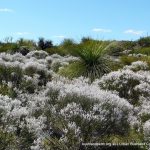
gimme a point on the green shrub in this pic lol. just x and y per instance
(144, 117)
(30, 71)
(144, 41)
(27, 43)
(68, 46)
(25, 138)
(56, 50)
(25, 46)
(7, 140)
(127, 60)
(73, 70)
(114, 48)
(144, 50)
(43, 77)
(28, 86)
(114, 66)
(55, 66)
(9, 47)
(5, 90)
(128, 45)
(13, 74)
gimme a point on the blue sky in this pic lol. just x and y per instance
(58, 19)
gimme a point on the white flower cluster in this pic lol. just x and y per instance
(140, 65)
(131, 83)
(137, 55)
(71, 109)
(100, 101)
(57, 60)
(36, 125)
(146, 128)
(39, 54)
(79, 88)
(38, 60)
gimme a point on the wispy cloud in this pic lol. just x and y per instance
(6, 10)
(135, 32)
(23, 33)
(59, 36)
(101, 30)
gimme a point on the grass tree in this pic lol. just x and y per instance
(93, 63)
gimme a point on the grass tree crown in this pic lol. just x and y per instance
(94, 59)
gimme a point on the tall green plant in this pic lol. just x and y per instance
(93, 61)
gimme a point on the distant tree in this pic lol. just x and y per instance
(86, 39)
(48, 44)
(43, 44)
(67, 42)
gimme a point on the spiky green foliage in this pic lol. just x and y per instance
(94, 61)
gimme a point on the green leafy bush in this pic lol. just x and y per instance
(117, 48)
(28, 43)
(144, 50)
(5, 90)
(7, 140)
(68, 46)
(73, 70)
(127, 60)
(9, 47)
(13, 74)
(114, 48)
(56, 50)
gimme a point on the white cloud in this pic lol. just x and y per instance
(135, 32)
(101, 30)
(6, 10)
(23, 33)
(59, 36)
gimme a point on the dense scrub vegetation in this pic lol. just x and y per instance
(55, 97)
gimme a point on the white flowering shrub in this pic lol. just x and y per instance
(58, 62)
(146, 128)
(40, 110)
(137, 55)
(40, 54)
(82, 103)
(137, 65)
(128, 83)
(132, 83)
